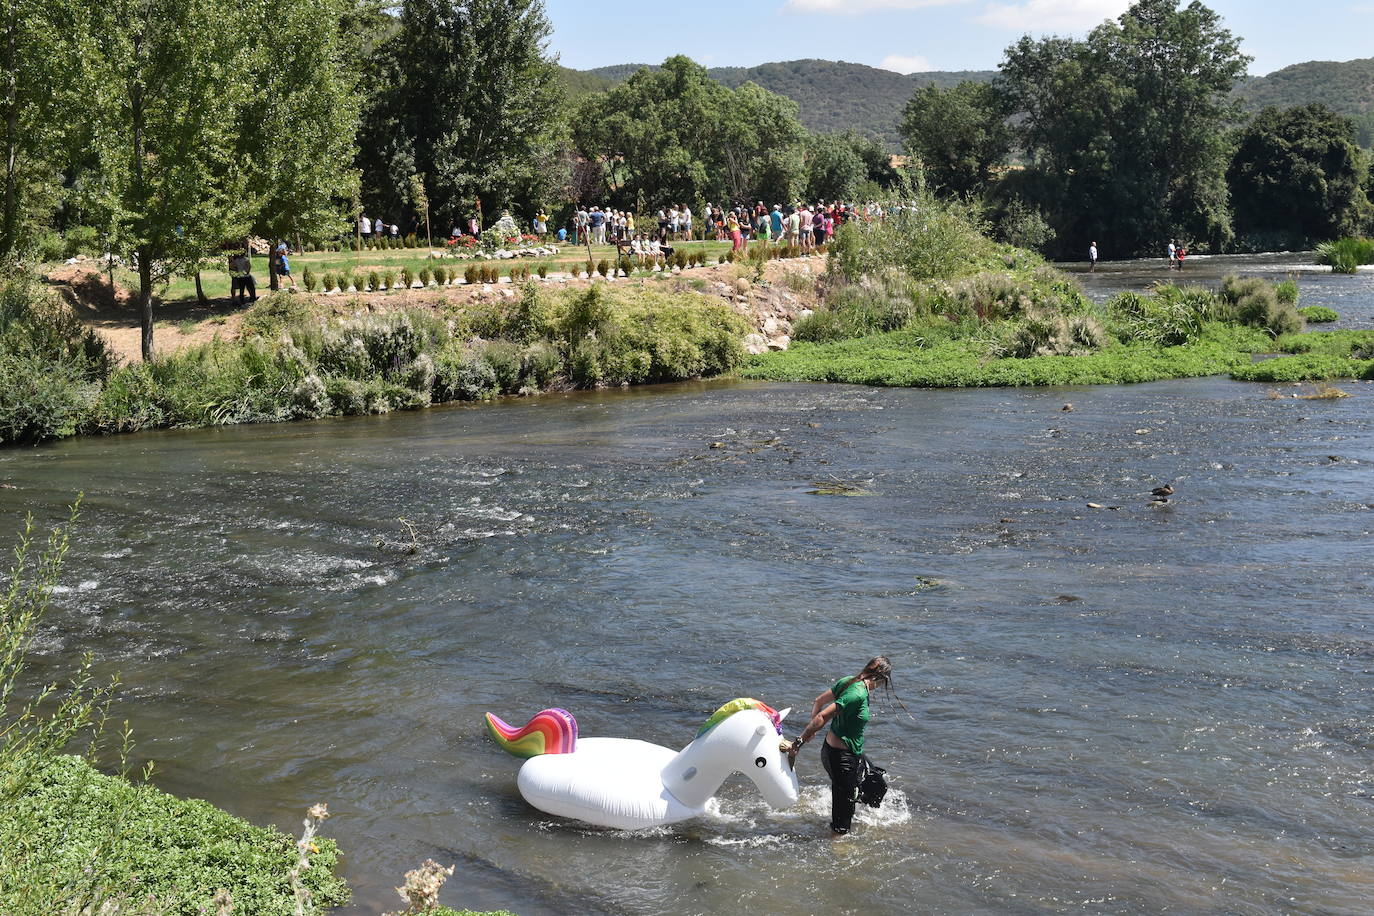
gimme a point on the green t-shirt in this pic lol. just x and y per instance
(851, 713)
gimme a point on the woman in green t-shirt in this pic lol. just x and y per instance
(845, 707)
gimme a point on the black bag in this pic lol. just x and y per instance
(872, 782)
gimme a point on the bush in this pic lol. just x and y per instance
(1318, 314)
(504, 357)
(374, 281)
(1255, 302)
(460, 375)
(81, 240)
(575, 270)
(389, 278)
(589, 269)
(1287, 291)
(626, 265)
(543, 271)
(274, 313)
(471, 274)
(407, 277)
(309, 280)
(425, 276)
(1346, 255)
(603, 267)
(358, 282)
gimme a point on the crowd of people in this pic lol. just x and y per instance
(804, 225)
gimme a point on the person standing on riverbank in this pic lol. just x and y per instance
(1173, 254)
(844, 707)
(1092, 257)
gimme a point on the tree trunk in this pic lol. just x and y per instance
(200, 293)
(10, 216)
(145, 302)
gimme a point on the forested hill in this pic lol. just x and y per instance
(1346, 87)
(835, 96)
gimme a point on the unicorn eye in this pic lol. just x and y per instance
(761, 762)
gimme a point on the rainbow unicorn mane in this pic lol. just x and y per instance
(553, 731)
(740, 705)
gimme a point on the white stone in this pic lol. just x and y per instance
(755, 344)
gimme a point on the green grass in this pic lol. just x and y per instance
(1346, 255)
(911, 359)
(1318, 314)
(142, 840)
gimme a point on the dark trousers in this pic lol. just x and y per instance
(843, 769)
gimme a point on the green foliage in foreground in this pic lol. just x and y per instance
(148, 844)
(1318, 314)
(293, 364)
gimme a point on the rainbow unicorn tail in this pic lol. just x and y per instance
(553, 731)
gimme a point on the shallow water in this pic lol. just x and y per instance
(1125, 710)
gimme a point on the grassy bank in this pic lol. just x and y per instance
(292, 362)
(931, 302)
(74, 832)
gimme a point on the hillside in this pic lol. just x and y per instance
(834, 95)
(1346, 87)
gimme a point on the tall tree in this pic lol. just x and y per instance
(674, 135)
(41, 43)
(1297, 177)
(1126, 129)
(958, 134)
(471, 105)
(297, 133)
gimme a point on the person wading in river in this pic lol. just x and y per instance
(845, 708)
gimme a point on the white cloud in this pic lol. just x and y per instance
(899, 63)
(854, 7)
(1051, 15)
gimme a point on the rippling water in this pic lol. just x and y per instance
(1121, 710)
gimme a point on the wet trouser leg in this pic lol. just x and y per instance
(843, 769)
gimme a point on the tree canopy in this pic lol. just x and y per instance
(1297, 177)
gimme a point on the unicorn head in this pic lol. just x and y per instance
(743, 736)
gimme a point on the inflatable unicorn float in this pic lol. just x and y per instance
(632, 784)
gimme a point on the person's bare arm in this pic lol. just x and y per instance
(823, 710)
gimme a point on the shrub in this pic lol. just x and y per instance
(1287, 291)
(425, 276)
(1318, 314)
(589, 269)
(491, 274)
(543, 271)
(541, 365)
(1255, 302)
(389, 278)
(374, 281)
(407, 278)
(358, 282)
(603, 267)
(81, 240)
(471, 274)
(309, 280)
(505, 360)
(626, 265)
(460, 375)
(724, 258)
(575, 270)
(1346, 255)
(274, 313)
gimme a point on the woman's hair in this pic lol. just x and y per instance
(879, 669)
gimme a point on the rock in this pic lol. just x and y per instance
(781, 342)
(742, 286)
(773, 327)
(755, 344)
(1142, 432)
(1005, 521)
(717, 445)
(806, 313)
(1096, 506)
(1067, 408)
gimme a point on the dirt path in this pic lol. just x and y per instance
(771, 307)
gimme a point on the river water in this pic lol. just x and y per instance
(1130, 709)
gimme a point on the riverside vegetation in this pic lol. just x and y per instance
(929, 300)
(291, 362)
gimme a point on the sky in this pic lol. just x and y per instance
(913, 35)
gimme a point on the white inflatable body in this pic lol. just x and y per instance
(632, 785)
(614, 782)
